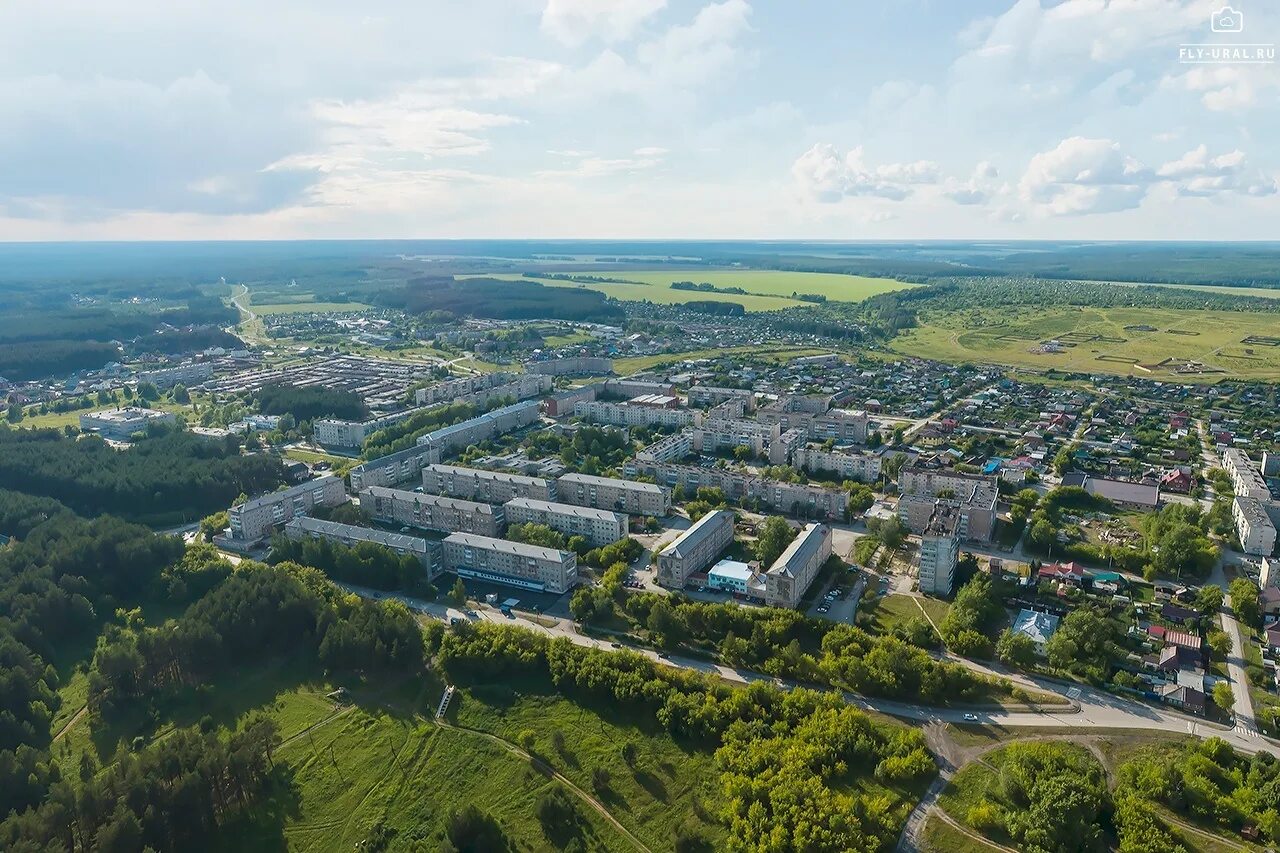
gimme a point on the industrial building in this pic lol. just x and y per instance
(625, 496)
(514, 563)
(695, 549)
(599, 526)
(121, 424)
(475, 484)
(431, 512)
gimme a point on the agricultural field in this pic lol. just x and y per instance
(777, 355)
(767, 290)
(1197, 346)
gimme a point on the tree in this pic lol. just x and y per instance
(212, 525)
(458, 595)
(1223, 696)
(743, 453)
(1016, 649)
(1082, 643)
(774, 536)
(665, 625)
(474, 831)
(1209, 599)
(1219, 644)
(892, 533)
(1246, 602)
(180, 394)
(14, 414)
(148, 391)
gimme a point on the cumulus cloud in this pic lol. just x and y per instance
(823, 174)
(1225, 88)
(978, 189)
(1196, 173)
(589, 166)
(575, 21)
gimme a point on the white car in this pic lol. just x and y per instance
(971, 718)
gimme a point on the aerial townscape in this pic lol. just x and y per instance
(866, 439)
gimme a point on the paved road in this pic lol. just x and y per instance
(1091, 710)
(1242, 704)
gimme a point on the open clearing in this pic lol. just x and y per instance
(1102, 340)
(767, 290)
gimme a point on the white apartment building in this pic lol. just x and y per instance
(189, 374)
(335, 432)
(477, 429)
(598, 526)
(695, 549)
(863, 467)
(252, 520)
(717, 434)
(670, 449)
(400, 467)
(432, 512)
(711, 395)
(625, 496)
(974, 495)
(1254, 527)
(513, 563)
(481, 388)
(940, 551)
(1246, 478)
(795, 569)
(625, 414)
(788, 445)
(425, 551)
(475, 484)
(789, 498)
(837, 424)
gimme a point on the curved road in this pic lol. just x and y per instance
(1090, 710)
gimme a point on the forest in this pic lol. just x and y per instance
(503, 300)
(306, 403)
(172, 477)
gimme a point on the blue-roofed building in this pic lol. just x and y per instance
(1037, 626)
(993, 465)
(736, 577)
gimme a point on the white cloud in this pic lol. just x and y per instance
(1226, 88)
(978, 189)
(1198, 174)
(1083, 176)
(824, 175)
(598, 167)
(575, 21)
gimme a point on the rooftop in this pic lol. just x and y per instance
(506, 546)
(613, 482)
(565, 509)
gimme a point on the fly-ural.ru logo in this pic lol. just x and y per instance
(1227, 23)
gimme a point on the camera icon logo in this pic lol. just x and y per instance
(1227, 20)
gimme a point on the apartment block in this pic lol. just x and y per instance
(863, 467)
(481, 388)
(625, 496)
(670, 449)
(192, 373)
(432, 512)
(795, 569)
(425, 551)
(837, 424)
(1247, 479)
(973, 495)
(711, 395)
(597, 526)
(513, 563)
(788, 445)
(502, 420)
(638, 388)
(474, 484)
(403, 466)
(695, 549)
(121, 424)
(252, 520)
(626, 414)
(580, 366)
(1270, 463)
(940, 550)
(335, 432)
(788, 498)
(717, 434)
(1254, 527)
(561, 403)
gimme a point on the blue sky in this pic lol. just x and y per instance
(634, 118)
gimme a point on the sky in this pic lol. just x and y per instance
(750, 119)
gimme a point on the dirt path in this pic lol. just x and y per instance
(553, 773)
(66, 727)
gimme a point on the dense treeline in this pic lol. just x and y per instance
(20, 513)
(53, 586)
(307, 403)
(955, 295)
(715, 307)
(403, 435)
(788, 761)
(176, 341)
(169, 796)
(37, 359)
(504, 300)
(365, 563)
(788, 644)
(286, 608)
(173, 476)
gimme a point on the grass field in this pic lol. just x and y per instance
(767, 290)
(1008, 336)
(779, 354)
(942, 837)
(1264, 292)
(304, 307)
(61, 419)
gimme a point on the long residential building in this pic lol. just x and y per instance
(795, 569)
(863, 467)
(252, 520)
(625, 496)
(1245, 476)
(711, 395)
(335, 432)
(482, 388)
(475, 484)
(598, 526)
(837, 424)
(403, 466)
(695, 549)
(477, 429)
(717, 434)
(517, 564)
(973, 495)
(670, 449)
(1254, 527)
(191, 373)
(432, 512)
(788, 498)
(577, 366)
(425, 551)
(626, 414)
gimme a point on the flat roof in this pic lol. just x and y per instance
(427, 498)
(506, 546)
(731, 569)
(482, 474)
(284, 494)
(566, 509)
(592, 480)
(368, 534)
